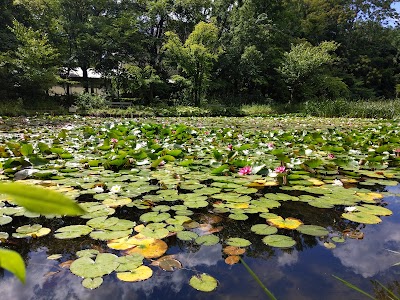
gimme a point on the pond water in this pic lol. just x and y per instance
(217, 202)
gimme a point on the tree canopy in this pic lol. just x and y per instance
(225, 50)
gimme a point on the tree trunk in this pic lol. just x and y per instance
(85, 79)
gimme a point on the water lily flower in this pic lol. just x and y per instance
(308, 152)
(246, 152)
(245, 170)
(397, 152)
(114, 141)
(270, 146)
(272, 174)
(331, 156)
(280, 169)
(350, 208)
(162, 163)
(115, 189)
(337, 182)
(98, 189)
(230, 147)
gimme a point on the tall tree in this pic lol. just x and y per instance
(195, 57)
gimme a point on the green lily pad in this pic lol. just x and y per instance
(238, 216)
(92, 284)
(374, 210)
(338, 239)
(106, 235)
(4, 235)
(104, 264)
(187, 235)
(87, 253)
(279, 241)
(238, 242)
(264, 229)
(207, 240)
(129, 262)
(34, 231)
(5, 220)
(72, 231)
(361, 217)
(203, 283)
(313, 230)
(154, 217)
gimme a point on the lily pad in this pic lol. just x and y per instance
(374, 210)
(233, 250)
(139, 274)
(263, 229)
(361, 217)
(279, 241)
(288, 223)
(313, 230)
(5, 220)
(203, 282)
(148, 247)
(72, 231)
(187, 235)
(92, 284)
(85, 267)
(106, 235)
(207, 240)
(238, 242)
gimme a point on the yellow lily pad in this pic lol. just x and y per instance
(149, 248)
(369, 197)
(288, 223)
(139, 274)
(262, 183)
(315, 181)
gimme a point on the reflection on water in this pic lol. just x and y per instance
(301, 273)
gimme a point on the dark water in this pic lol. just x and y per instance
(304, 272)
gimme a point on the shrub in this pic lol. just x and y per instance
(88, 101)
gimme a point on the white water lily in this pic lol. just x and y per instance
(115, 189)
(337, 182)
(308, 152)
(98, 189)
(272, 173)
(350, 208)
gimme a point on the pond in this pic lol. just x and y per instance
(177, 208)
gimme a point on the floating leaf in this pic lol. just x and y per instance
(203, 282)
(232, 259)
(87, 253)
(238, 217)
(149, 248)
(313, 230)
(5, 220)
(338, 239)
(85, 267)
(139, 274)
(41, 200)
(187, 235)
(72, 231)
(288, 223)
(54, 256)
(92, 284)
(238, 242)
(105, 235)
(329, 245)
(129, 262)
(167, 263)
(360, 217)
(207, 240)
(374, 210)
(279, 241)
(233, 250)
(263, 229)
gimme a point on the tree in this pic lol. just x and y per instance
(32, 67)
(302, 68)
(195, 58)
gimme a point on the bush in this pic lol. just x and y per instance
(88, 101)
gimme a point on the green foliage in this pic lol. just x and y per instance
(86, 101)
(195, 57)
(302, 68)
(33, 66)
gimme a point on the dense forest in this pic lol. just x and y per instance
(244, 51)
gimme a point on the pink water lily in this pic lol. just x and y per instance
(331, 156)
(280, 169)
(230, 147)
(245, 170)
(270, 145)
(113, 140)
